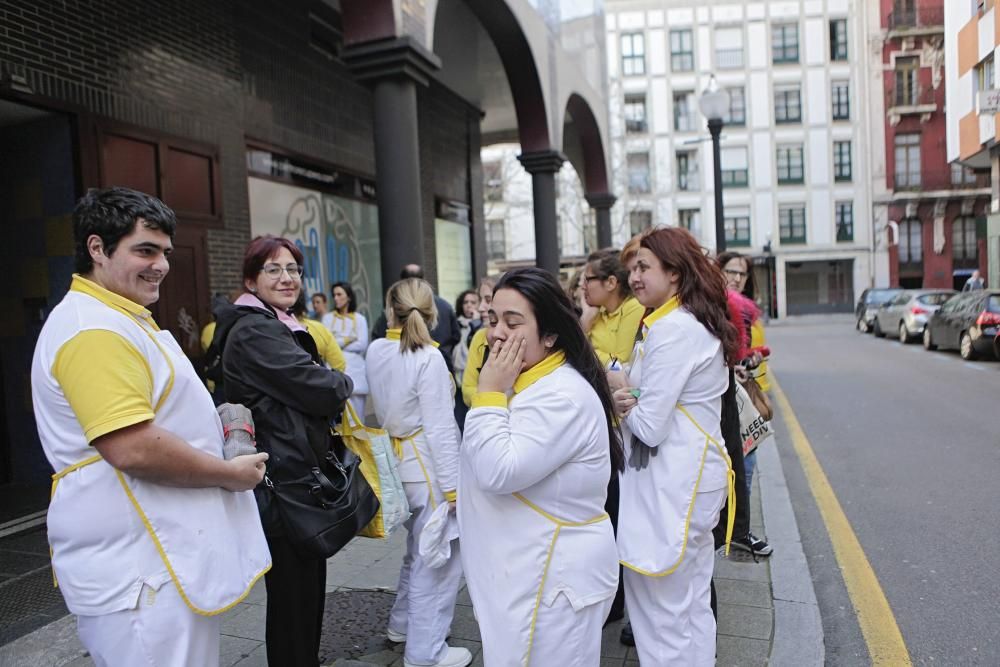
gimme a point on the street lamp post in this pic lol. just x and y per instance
(714, 103)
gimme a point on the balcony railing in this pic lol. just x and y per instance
(911, 96)
(916, 17)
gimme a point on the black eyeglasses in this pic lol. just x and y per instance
(587, 279)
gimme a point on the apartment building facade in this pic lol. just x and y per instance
(971, 41)
(795, 147)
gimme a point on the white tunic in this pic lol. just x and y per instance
(111, 533)
(681, 375)
(355, 326)
(413, 395)
(531, 511)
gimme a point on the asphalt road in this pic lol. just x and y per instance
(910, 441)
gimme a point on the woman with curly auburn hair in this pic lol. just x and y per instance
(678, 471)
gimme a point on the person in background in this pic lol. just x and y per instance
(574, 290)
(466, 306)
(153, 534)
(412, 395)
(270, 364)
(350, 329)
(678, 471)
(739, 278)
(611, 322)
(478, 345)
(446, 333)
(975, 282)
(319, 306)
(326, 345)
(540, 444)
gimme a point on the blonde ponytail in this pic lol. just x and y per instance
(410, 307)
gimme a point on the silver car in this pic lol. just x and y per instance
(907, 314)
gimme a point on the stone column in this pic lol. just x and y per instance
(602, 203)
(543, 166)
(394, 68)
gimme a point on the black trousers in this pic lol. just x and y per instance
(611, 507)
(296, 593)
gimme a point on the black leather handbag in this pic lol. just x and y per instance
(327, 506)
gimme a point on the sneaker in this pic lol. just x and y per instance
(395, 637)
(627, 637)
(753, 544)
(455, 656)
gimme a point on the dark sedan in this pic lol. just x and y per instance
(968, 322)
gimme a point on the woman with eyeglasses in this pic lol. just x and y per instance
(271, 365)
(739, 279)
(678, 471)
(350, 328)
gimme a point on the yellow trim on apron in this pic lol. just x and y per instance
(731, 499)
(560, 524)
(170, 568)
(397, 445)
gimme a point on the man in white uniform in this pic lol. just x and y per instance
(152, 532)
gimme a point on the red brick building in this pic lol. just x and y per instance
(936, 211)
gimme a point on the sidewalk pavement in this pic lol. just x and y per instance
(767, 610)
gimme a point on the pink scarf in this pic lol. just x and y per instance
(254, 301)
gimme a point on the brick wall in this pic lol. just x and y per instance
(221, 72)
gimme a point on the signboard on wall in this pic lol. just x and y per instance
(989, 101)
(338, 235)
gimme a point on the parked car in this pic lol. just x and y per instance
(868, 304)
(969, 322)
(906, 315)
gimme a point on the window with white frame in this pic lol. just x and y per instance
(784, 43)
(638, 172)
(838, 39)
(635, 113)
(736, 222)
(792, 223)
(985, 76)
(687, 170)
(840, 96)
(737, 113)
(964, 249)
(962, 175)
(496, 239)
(907, 154)
(907, 89)
(639, 221)
(844, 217)
(735, 170)
(790, 163)
(684, 119)
(787, 104)
(689, 219)
(729, 48)
(633, 54)
(842, 161)
(681, 50)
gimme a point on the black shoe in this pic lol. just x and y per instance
(753, 544)
(627, 637)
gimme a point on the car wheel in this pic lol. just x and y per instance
(928, 343)
(965, 347)
(904, 335)
(877, 329)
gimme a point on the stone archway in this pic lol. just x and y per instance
(591, 162)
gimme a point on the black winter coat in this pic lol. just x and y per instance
(293, 397)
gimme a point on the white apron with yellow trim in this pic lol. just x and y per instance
(524, 548)
(110, 533)
(680, 399)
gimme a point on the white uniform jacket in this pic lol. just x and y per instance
(110, 533)
(414, 401)
(531, 507)
(355, 326)
(681, 375)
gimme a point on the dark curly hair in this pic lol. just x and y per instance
(112, 214)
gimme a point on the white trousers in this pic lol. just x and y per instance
(567, 637)
(425, 597)
(161, 631)
(671, 616)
